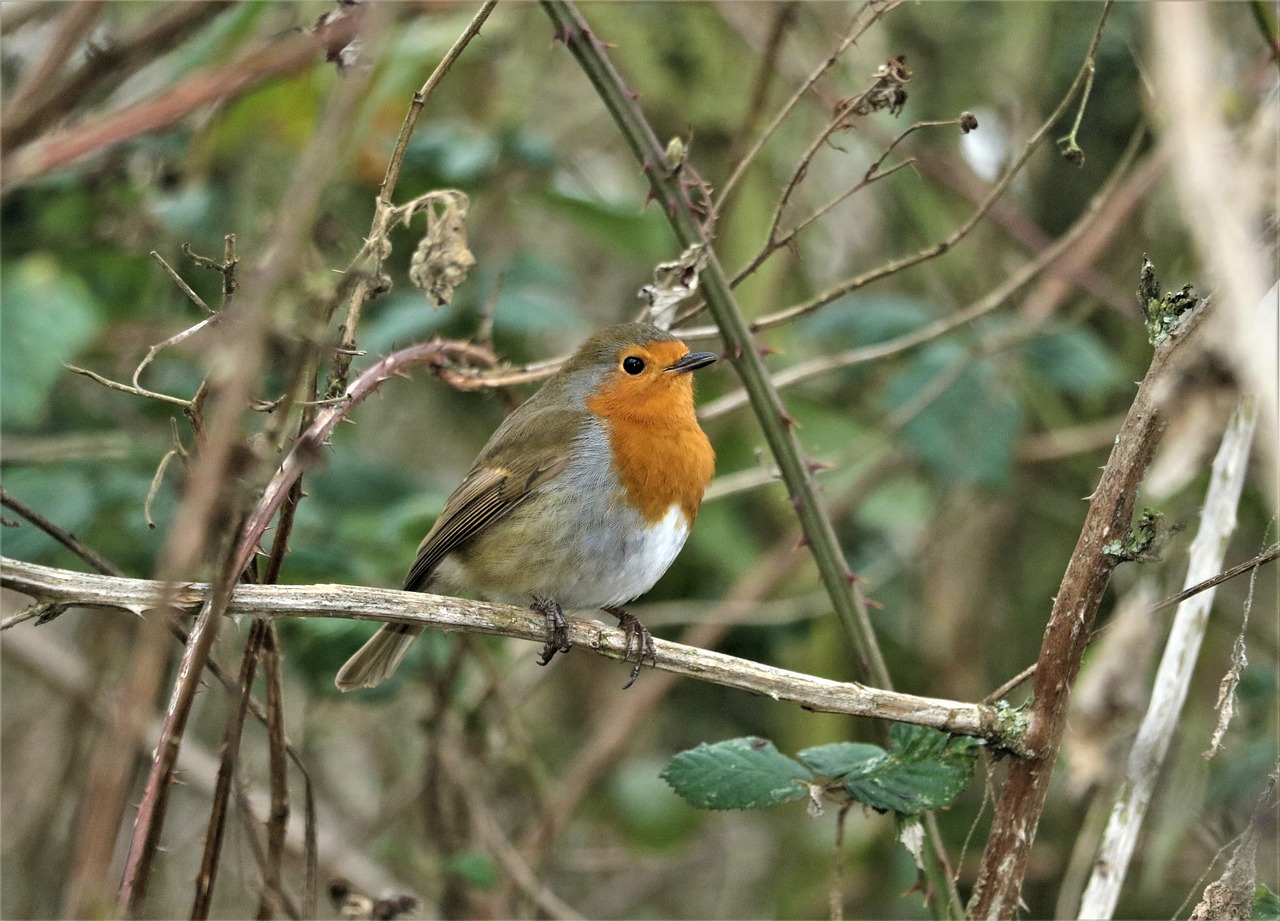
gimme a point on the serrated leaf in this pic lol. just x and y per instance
(924, 770)
(746, 773)
(841, 758)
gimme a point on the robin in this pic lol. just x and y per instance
(582, 498)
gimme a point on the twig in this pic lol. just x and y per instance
(856, 32)
(838, 120)
(164, 108)
(997, 890)
(181, 282)
(126, 388)
(1173, 678)
(1070, 143)
(1266, 556)
(112, 62)
(230, 752)
(993, 300)
(388, 606)
(383, 217)
(904, 262)
(62, 536)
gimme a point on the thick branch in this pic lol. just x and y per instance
(388, 606)
(1004, 862)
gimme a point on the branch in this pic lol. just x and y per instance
(991, 301)
(930, 252)
(1173, 678)
(856, 31)
(168, 106)
(63, 586)
(108, 65)
(1004, 862)
(64, 537)
(776, 425)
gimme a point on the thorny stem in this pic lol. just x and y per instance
(776, 424)
(997, 890)
(774, 421)
(306, 448)
(348, 602)
(364, 287)
(226, 772)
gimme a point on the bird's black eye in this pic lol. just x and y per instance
(632, 365)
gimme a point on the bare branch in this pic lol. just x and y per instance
(997, 890)
(388, 606)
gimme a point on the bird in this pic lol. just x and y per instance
(581, 499)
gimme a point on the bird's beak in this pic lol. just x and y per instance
(692, 362)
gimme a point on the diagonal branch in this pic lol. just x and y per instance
(776, 424)
(1004, 862)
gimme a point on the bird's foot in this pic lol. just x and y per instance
(557, 629)
(639, 642)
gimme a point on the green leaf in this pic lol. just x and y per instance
(477, 869)
(48, 318)
(924, 769)
(968, 432)
(744, 773)
(1266, 905)
(623, 227)
(1074, 361)
(841, 758)
(865, 320)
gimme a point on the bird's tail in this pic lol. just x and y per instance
(374, 662)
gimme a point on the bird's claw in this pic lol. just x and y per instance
(639, 642)
(557, 629)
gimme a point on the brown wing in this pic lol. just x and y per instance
(490, 491)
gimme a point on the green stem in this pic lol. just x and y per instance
(777, 426)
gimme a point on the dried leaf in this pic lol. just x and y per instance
(442, 260)
(673, 283)
(1226, 705)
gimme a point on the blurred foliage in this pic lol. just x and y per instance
(958, 527)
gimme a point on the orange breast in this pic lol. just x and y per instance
(660, 453)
